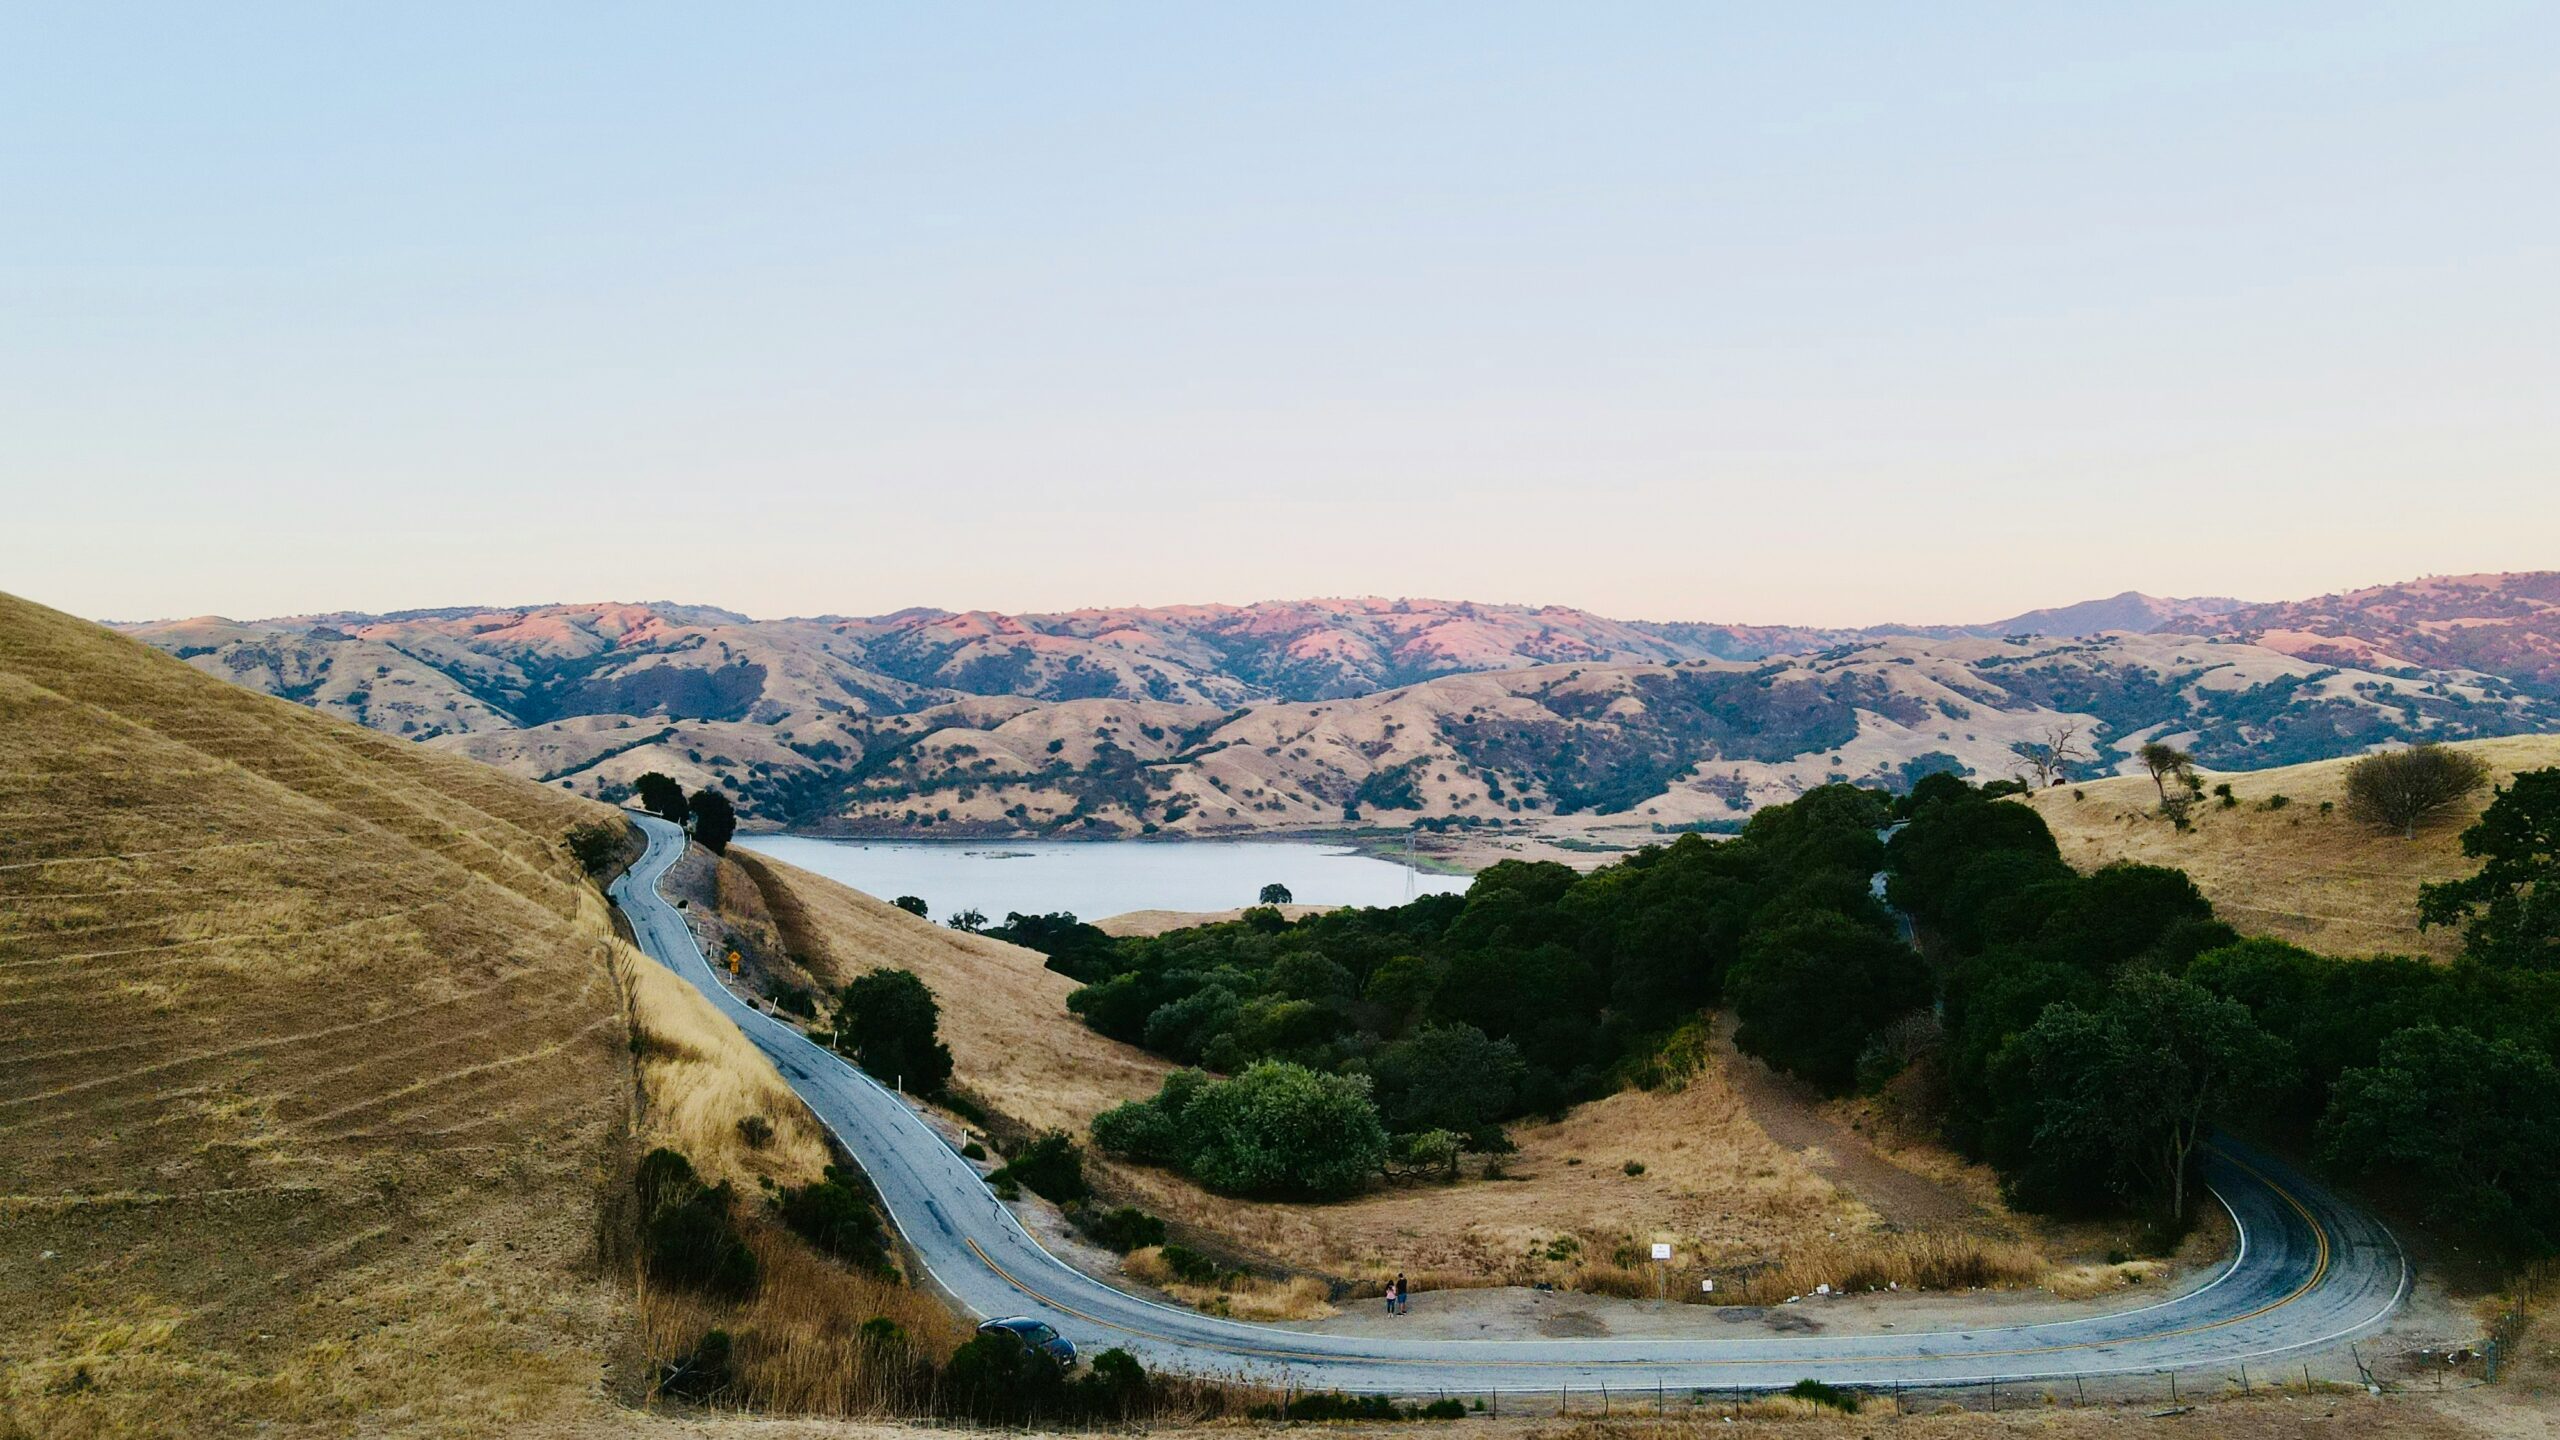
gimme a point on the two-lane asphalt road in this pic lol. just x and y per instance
(2311, 1270)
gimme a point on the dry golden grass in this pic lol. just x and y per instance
(1157, 922)
(1013, 1044)
(1245, 1297)
(701, 1079)
(311, 1064)
(2322, 881)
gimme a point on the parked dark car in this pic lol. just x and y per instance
(1035, 1336)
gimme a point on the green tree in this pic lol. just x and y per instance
(1812, 987)
(1273, 894)
(1278, 1130)
(913, 905)
(660, 796)
(2163, 761)
(2402, 789)
(887, 1020)
(714, 820)
(1447, 1077)
(971, 921)
(2470, 1127)
(2510, 910)
(2120, 1097)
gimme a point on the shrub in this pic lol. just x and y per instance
(701, 1374)
(755, 1130)
(833, 1216)
(997, 1380)
(972, 1150)
(1049, 1166)
(1816, 1392)
(1432, 1154)
(2401, 789)
(1189, 1264)
(688, 1234)
(1123, 1229)
(595, 846)
(792, 1000)
(1632, 1168)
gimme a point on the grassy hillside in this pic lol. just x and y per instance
(311, 1062)
(2319, 880)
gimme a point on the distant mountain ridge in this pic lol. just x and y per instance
(837, 720)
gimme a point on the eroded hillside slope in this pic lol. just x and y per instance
(311, 1063)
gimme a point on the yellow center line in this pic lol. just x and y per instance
(2319, 1271)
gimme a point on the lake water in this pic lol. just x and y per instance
(1096, 878)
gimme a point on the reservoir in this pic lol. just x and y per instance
(1098, 878)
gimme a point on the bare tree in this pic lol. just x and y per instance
(2055, 749)
(2163, 761)
(2400, 789)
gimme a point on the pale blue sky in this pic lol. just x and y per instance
(1754, 312)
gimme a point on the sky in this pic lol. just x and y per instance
(1821, 314)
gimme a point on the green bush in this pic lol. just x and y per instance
(832, 1215)
(689, 1237)
(1277, 1129)
(1820, 1394)
(1050, 1166)
(996, 1380)
(1189, 1264)
(1123, 1229)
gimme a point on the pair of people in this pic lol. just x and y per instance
(1399, 1298)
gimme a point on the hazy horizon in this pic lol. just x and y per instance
(1668, 312)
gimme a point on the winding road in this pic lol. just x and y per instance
(2310, 1271)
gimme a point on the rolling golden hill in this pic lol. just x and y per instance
(2291, 870)
(315, 1068)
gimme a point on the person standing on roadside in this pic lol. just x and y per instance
(1391, 1297)
(1403, 1295)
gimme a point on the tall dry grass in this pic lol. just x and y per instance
(701, 1078)
(1237, 1296)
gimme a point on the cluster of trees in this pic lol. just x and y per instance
(1538, 988)
(706, 812)
(2095, 1026)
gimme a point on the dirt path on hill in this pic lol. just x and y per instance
(1790, 1111)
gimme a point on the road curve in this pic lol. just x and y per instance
(2311, 1270)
